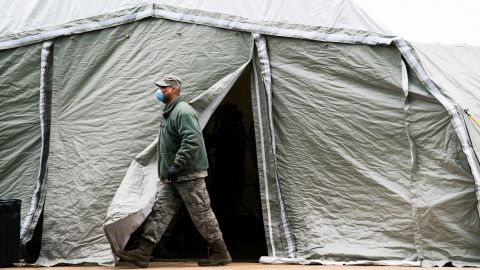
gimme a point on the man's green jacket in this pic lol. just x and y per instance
(180, 140)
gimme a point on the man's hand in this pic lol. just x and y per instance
(172, 173)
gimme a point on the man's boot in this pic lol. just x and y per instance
(140, 256)
(218, 255)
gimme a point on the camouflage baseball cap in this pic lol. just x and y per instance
(169, 80)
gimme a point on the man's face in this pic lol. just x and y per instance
(168, 93)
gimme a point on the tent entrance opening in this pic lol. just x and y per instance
(232, 183)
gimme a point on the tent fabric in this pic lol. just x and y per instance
(36, 15)
(334, 117)
(20, 131)
(266, 75)
(193, 16)
(133, 200)
(280, 260)
(103, 113)
(332, 120)
(452, 104)
(456, 70)
(339, 119)
(274, 224)
(444, 208)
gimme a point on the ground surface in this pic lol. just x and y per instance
(233, 266)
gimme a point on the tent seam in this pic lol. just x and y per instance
(77, 29)
(414, 163)
(452, 108)
(157, 12)
(34, 205)
(267, 80)
(264, 164)
(271, 30)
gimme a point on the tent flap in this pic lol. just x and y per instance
(135, 196)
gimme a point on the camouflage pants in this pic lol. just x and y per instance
(169, 198)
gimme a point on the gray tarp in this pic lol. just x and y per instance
(444, 207)
(343, 153)
(104, 113)
(456, 69)
(20, 132)
(347, 146)
(272, 220)
(27, 15)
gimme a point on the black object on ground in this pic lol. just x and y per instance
(9, 232)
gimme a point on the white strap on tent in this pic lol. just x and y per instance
(404, 79)
(454, 112)
(267, 80)
(159, 11)
(264, 163)
(262, 28)
(77, 29)
(41, 174)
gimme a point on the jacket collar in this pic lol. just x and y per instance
(169, 108)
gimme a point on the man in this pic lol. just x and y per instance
(182, 168)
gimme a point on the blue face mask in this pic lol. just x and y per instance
(159, 95)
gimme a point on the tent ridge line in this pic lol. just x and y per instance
(266, 29)
(161, 11)
(455, 112)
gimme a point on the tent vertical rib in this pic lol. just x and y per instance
(452, 109)
(36, 196)
(264, 162)
(267, 80)
(414, 162)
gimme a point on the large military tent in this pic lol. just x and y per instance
(366, 143)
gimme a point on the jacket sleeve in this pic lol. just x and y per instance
(190, 135)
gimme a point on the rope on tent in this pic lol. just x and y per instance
(471, 118)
